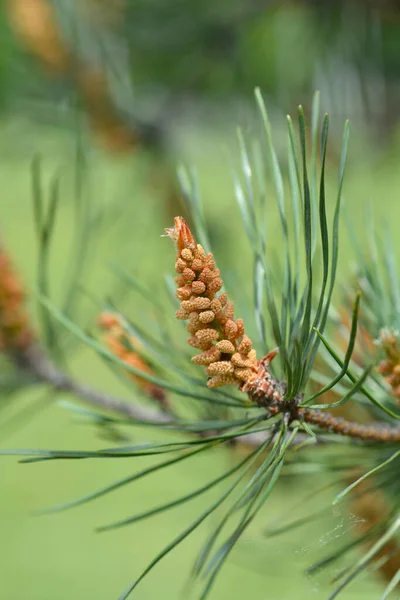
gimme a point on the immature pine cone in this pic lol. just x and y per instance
(125, 347)
(226, 351)
(15, 332)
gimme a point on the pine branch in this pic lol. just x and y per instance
(373, 432)
(227, 351)
(36, 25)
(33, 360)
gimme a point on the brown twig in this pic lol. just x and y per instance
(33, 360)
(373, 432)
(269, 393)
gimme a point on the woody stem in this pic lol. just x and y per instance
(375, 432)
(32, 359)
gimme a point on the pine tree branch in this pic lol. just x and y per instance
(373, 432)
(33, 360)
(269, 393)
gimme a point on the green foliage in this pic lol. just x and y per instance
(292, 309)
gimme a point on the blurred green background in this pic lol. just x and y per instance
(179, 79)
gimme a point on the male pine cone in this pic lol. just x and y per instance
(15, 331)
(226, 351)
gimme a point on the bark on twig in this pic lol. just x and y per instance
(34, 360)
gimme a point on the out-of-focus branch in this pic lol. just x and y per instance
(35, 23)
(18, 341)
(33, 360)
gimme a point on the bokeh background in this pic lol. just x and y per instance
(113, 96)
